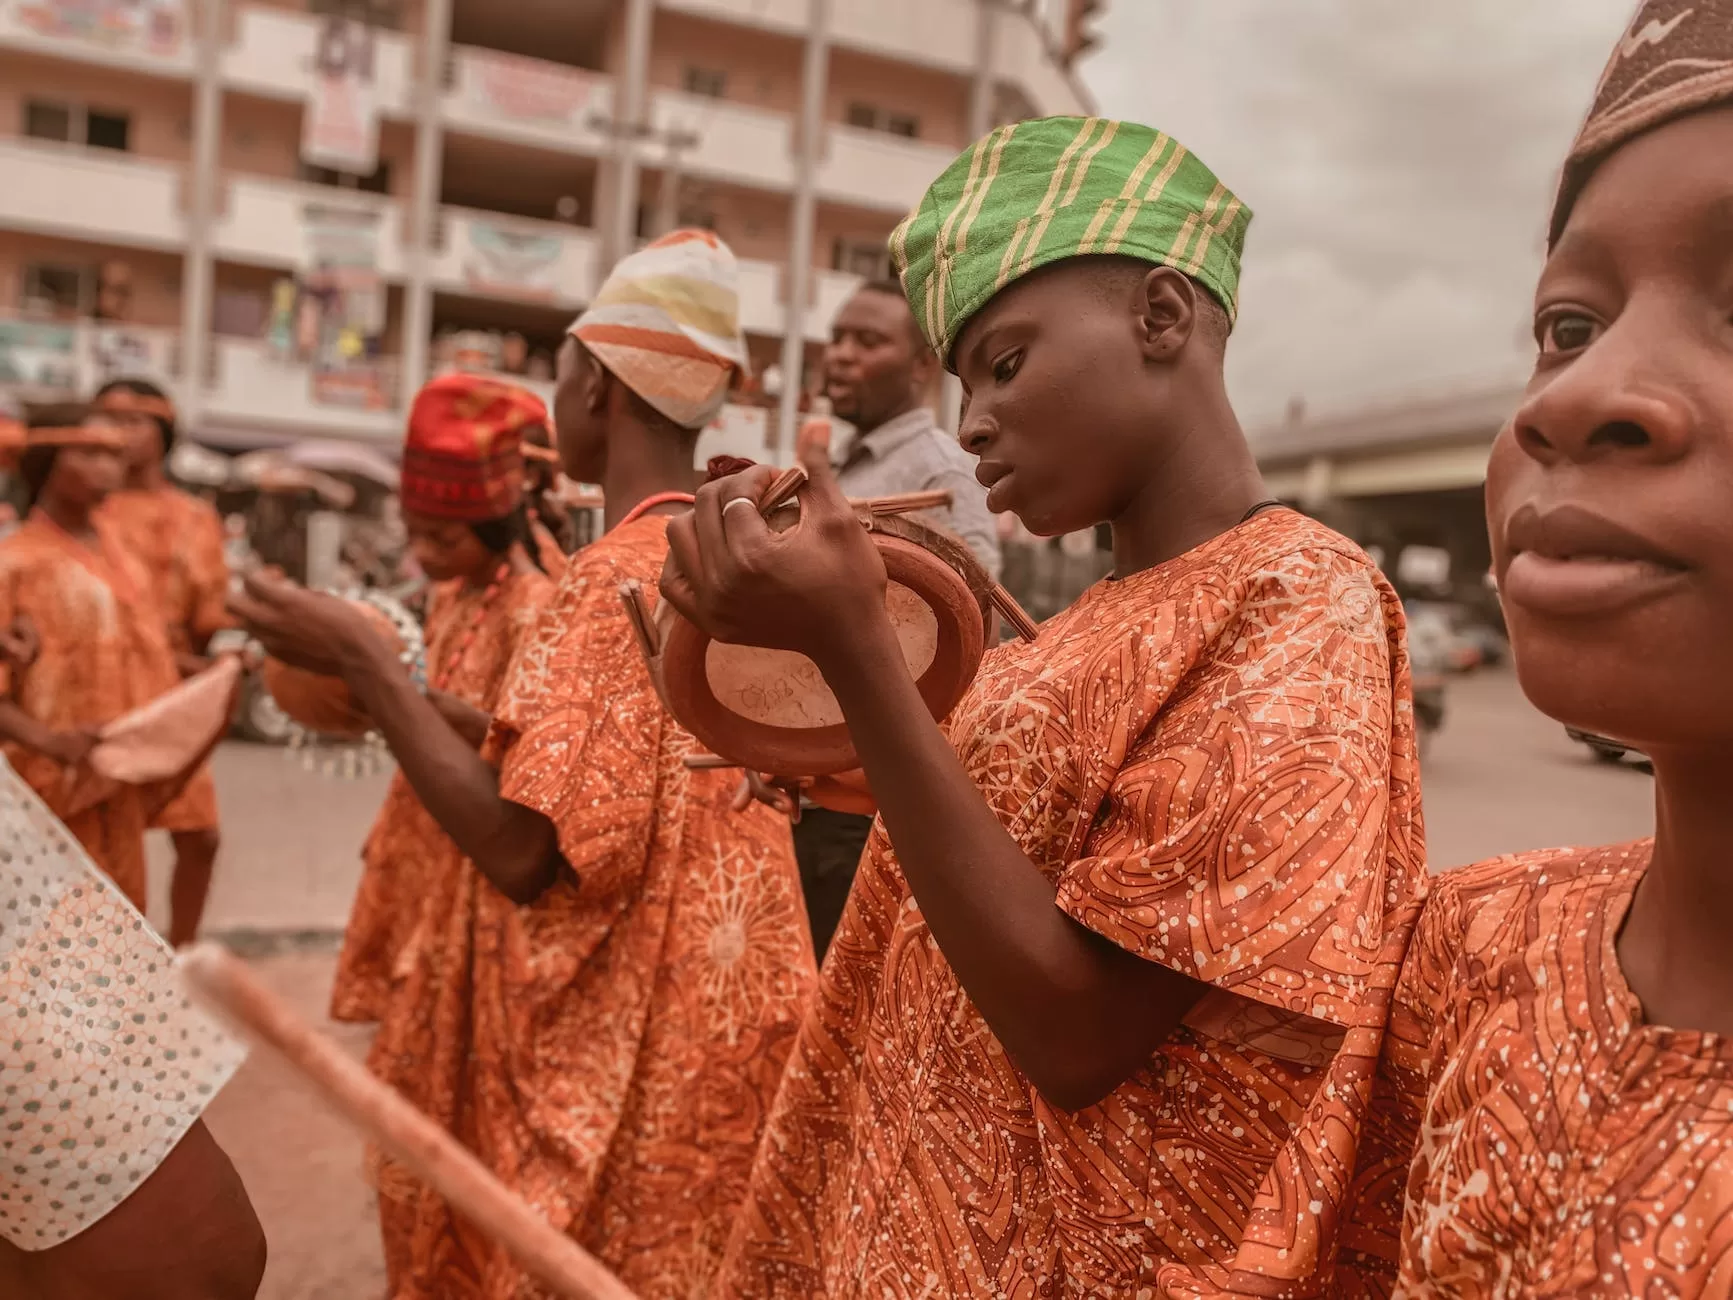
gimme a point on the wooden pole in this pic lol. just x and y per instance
(222, 982)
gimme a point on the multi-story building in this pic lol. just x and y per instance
(168, 202)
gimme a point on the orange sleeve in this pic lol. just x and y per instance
(578, 731)
(1372, 1232)
(1244, 842)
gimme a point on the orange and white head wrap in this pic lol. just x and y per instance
(667, 325)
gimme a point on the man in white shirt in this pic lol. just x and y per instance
(879, 375)
(110, 1184)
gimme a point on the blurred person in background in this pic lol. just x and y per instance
(99, 647)
(179, 539)
(879, 375)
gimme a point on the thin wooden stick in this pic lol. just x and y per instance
(642, 619)
(902, 503)
(222, 982)
(782, 489)
(709, 763)
(1013, 613)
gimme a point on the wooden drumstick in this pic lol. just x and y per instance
(222, 982)
(782, 489)
(641, 617)
(1013, 613)
(902, 503)
(709, 763)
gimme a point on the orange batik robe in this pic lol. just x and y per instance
(103, 652)
(1214, 763)
(1533, 1135)
(179, 540)
(622, 1037)
(407, 859)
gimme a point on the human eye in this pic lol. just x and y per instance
(1006, 366)
(1565, 329)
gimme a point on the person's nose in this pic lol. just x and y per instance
(1619, 399)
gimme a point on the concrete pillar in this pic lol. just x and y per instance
(619, 232)
(980, 122)
(197, 269)
(424, 202)
(815, 68)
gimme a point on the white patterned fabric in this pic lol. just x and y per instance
(104, 1065)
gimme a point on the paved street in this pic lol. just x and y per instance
(1499, 778)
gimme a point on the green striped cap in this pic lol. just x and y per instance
(1035, 192)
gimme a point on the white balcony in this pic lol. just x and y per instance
(137, 38)
(552, 106)
(529, 101)
(94, 194)
(936, 33)
(763, 300)
(873, 170)
(52, 361)
(263, 222)
(487, 255)
(272, 55)
(253, 391)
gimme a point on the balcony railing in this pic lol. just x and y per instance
(82, 193)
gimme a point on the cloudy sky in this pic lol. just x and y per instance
(1399, 159)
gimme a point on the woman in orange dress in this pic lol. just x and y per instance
(101, 649)
(178, 538)
(408, 956)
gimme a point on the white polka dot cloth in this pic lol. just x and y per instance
(103, 1063)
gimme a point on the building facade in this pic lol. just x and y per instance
(294, 212)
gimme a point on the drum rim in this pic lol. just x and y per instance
(909, 553)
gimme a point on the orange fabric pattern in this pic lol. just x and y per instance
(626, 1031)
(103, 652)
(1214, 761)
(179, 539)
(407, 857)
(1549, 1141)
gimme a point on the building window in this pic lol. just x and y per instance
(869, 259)
(870, 117)
(378, 183)
(46, 119)
(107, 130)
(53, 290)
(710, 82)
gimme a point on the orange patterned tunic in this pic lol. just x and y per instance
(406, 854)
(103, 652)
(179, 540)
(627, 1030)
(1214, 762)
(1550, 1142)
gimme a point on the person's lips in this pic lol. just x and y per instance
(996, 477)
(1568, 562)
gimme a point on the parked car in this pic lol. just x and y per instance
(1429, 654)
(1606, 749)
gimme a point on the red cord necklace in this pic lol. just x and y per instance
(649, 503)
(488, 595)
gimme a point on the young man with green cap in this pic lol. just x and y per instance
(1101, 1015)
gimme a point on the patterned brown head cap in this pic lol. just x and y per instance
(1675, 58)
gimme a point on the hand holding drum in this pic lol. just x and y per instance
(759, 600)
